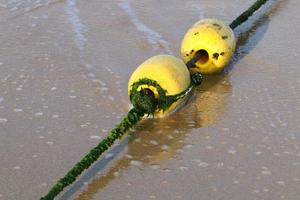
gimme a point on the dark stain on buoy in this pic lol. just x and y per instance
(218, 26)
(215, 56)
(224, 37)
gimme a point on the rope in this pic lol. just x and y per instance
(132, 118)
(191, 63)
(145, 100)
(248, 13)
(144, 103)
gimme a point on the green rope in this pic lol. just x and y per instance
(149, 104)
(132, 118)
(144, 100)
(248, 13)
(139, 102)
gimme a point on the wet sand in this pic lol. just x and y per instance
(64, 67)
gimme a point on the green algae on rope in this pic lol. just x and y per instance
(132, 118)
(149, 104)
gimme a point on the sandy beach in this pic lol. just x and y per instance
(64, 68)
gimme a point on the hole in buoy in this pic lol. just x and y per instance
(204, 57)
(149, 92)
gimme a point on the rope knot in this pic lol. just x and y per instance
(144, 101)
(197, 78)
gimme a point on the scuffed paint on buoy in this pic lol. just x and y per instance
(213, 40)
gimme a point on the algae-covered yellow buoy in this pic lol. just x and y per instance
(169, 72)
(213, 41)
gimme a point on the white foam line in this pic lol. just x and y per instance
(152, 36)
(78, 28)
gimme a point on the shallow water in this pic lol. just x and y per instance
(64, 67)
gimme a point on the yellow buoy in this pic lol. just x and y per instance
(213, 40)
(169, 72)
